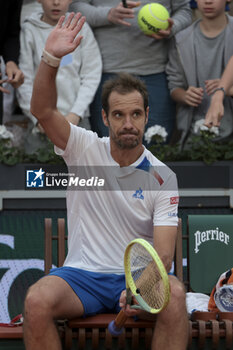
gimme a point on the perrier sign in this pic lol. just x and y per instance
(210, 249)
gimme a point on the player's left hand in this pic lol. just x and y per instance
(163, 34)
(126, 307)
(64, 37)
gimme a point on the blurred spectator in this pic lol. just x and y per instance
(196, 12)
(197, 59)
(9, 47)
(231, 8)
(78, 76)
(29, 7)
(13, 119)
(125, 48)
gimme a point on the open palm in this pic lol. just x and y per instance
(64, 37)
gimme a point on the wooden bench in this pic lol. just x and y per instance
(11, 332)
(203, 327)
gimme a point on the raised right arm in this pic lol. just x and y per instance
(62, 40)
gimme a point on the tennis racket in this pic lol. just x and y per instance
(146, 280)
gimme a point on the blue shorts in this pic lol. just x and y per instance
(98, 292)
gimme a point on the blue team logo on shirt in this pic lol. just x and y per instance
(138, 194)
(144, 165)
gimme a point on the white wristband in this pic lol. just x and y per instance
(50, 59)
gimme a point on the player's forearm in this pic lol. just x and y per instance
(167, 261)
(44, 96)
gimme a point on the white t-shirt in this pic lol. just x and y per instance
(103, 220)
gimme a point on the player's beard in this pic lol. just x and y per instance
(134, 139)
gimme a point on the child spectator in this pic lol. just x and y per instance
(28, 7)
(79, 72)
(196, 12)
(197, 59)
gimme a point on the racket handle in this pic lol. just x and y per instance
(116, 326)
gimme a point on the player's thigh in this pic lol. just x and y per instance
(55, 295)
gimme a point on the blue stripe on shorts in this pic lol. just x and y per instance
(98, 292)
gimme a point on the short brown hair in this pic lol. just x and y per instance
(123, 83)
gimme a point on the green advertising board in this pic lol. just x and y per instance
(210, 249)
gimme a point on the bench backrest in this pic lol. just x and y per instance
(60, 243)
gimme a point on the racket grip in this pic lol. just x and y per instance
(116, 326)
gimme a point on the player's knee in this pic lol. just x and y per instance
(177, 294)
(37, 305)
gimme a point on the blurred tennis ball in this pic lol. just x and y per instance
(152, 18)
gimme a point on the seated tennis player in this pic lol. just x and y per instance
(137, 197)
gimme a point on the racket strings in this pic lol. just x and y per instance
(146, 276)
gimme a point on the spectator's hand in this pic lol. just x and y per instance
(73, 118)
(211, 85)
(117, 14)
(215, 111)
(64, 37)
(2, 89)
(14, 74)
(163, 34)
(193, 96)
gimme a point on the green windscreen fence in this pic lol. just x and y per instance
(210, 249)
(21, 256)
